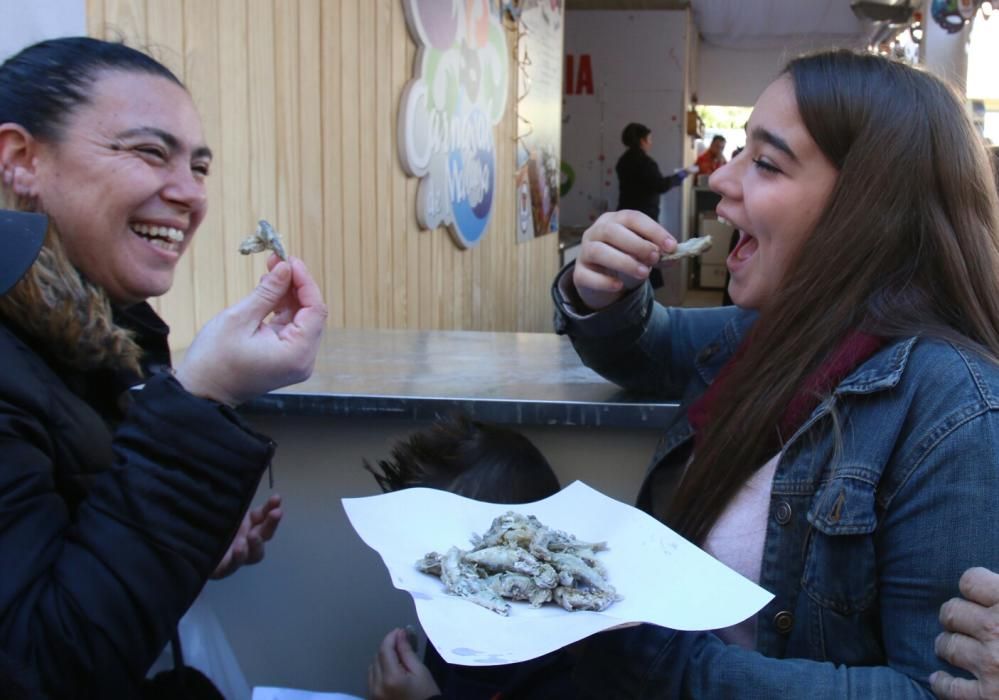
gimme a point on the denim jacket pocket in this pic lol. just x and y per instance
(839, 564)
(840, 571)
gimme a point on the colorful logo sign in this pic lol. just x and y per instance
(448, 112)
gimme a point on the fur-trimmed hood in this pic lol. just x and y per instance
(68, 316)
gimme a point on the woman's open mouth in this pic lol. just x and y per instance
(743, 251)
(164, 237)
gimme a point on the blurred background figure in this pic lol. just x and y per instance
(640, 182)
(712, 158)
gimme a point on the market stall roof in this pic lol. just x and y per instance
(765, 24)
(760, 24)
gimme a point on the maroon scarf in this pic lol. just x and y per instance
(851, 352)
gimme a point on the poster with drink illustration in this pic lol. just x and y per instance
(539, 111)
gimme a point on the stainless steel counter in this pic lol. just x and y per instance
(517, 378)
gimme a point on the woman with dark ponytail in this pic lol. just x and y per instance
(839, 432)
(118, 501)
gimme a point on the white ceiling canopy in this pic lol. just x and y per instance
(779, 24)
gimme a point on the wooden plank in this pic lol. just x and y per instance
(259, 76)
(368, 137)
(163, 36)
(125, 20)
(350, 139)
(442, 241)
(201, 59)
(286, 99)
(310, 137)
(427, 301)
(461, 259)
(402, 227)
(95, 19)
(333, 262)
(233, 160)
(384, 107)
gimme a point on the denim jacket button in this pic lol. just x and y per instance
(782, 513)
(783, 621)
(707, 353)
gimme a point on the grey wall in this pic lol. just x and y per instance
(736, 77)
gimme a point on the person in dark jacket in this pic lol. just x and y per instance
(123, 483)
(640, 183)
(21, 237)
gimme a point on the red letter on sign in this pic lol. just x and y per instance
(584, 80)
(568, 74)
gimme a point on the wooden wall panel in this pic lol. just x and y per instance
(299, 100)
(288, 107)
(310, 142)
(261, 120)
(384, 124)
(234, 162)
(212, 263)
(404, 272)
(332, 193)
(349, 139)
(367, 135)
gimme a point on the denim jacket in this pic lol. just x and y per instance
(880, 500)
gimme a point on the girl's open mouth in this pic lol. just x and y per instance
(743, 251)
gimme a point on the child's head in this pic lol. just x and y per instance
(469, 458)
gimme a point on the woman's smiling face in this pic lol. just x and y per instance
(124, 183)
(774, 192)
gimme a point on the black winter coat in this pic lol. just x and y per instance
(640, 183)
(107, 537)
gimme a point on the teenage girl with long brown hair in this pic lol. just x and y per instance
(839, 431)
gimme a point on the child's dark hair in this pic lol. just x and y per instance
(473, 459)
(633, 134)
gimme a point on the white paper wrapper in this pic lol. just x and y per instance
(664, 579)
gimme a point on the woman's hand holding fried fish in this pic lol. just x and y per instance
(266, 341)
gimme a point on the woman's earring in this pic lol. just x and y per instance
(20, 181)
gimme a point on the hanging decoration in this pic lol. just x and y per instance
(952, 15)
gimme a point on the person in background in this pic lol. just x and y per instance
(487, 463)
(119, 501)
(712, 158)
(640, 183)
(840, 422)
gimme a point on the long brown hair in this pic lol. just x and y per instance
(908, 245)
